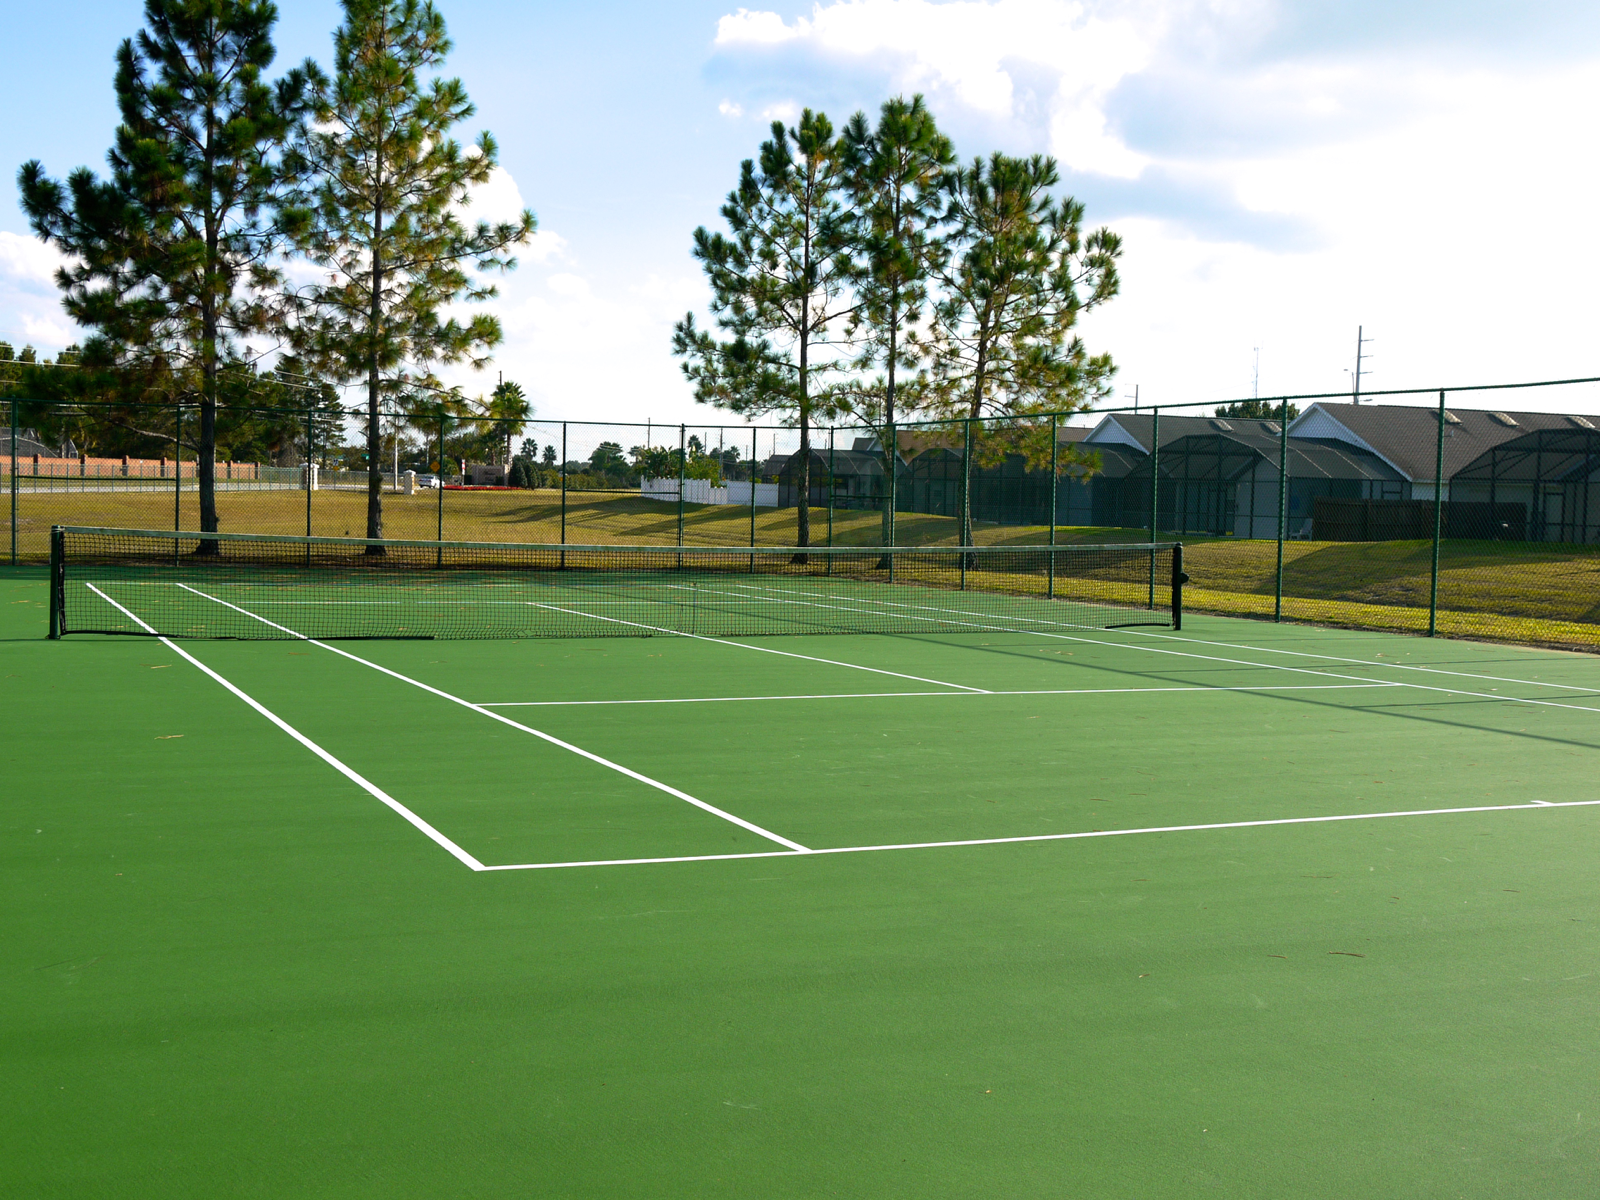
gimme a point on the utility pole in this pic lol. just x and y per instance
(1361, 344)
(1255, 376)
(1135, 397)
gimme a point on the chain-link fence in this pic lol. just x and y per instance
(1466, 512)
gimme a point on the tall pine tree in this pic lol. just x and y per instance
(171, 256)
(1020, 274)
(381, 181)
(897, 174)
(778, 284)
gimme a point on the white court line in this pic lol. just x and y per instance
(1178, 637)
(365, 784)
(1061, 837)
(552, 739)
(1238, 662)
(1204, 687)
(700, 637)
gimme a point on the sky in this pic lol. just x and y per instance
(1282, 172)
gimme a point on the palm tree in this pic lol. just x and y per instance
(508, 411)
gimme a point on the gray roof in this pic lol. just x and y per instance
(1406, 436)
(1123, 427)
(1232, 455)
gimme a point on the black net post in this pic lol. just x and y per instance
(1178, 580)
(1438, 521)
(1050, 590)
(57, 580)
(683, 474)
(1283, 505)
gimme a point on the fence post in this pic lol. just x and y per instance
(177, 471)
(438, 537)
(893, 448)
(1438, 521)
(830, 498)
(1283, 504)
(563, 493)
(754, 449)
(683, 475)
(1050, 589)
(966, 496)
(309, 468)
(1155, 492)
(13, 481)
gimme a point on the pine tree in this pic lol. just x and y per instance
(1020, 275)
(172, 254)
(777, 284)
(897, 174)
(381, 180)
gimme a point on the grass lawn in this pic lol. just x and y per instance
(1514, 591)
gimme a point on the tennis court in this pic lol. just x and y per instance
(971, 889)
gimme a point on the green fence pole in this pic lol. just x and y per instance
(1050, 589)
(830, 499)
(753, 451)
(1155, 492)
(438, 552)
(1438, 522)
(1283, 505)
(893, 455)
(13, 482)
(966, 496)
(683, 474)
(177, 472)
(563, 493)
(310, 433)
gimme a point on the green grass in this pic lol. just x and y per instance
(1512, 591)
(229, 971)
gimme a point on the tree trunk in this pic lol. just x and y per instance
(374, 430)
(966, 463)
(802, 514)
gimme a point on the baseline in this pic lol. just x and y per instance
(350, 773)
(1203, 687)
(1540, 805)
(1187, 640)
(1238, 662)
(796, 847)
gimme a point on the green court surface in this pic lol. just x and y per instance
(1249, 910)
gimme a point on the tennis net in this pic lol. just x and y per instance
(254, 586)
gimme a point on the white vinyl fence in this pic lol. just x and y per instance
(700, 491)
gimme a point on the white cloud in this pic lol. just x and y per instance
(983, 56)
(497, 199)
(1439, 201)
(28, 261)
(728, 109)
(785, 111)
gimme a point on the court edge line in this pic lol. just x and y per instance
(349, 773)
(1261, 687)
(700, 637)
(1238, 662)
(1056, 837)
(538, 733)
